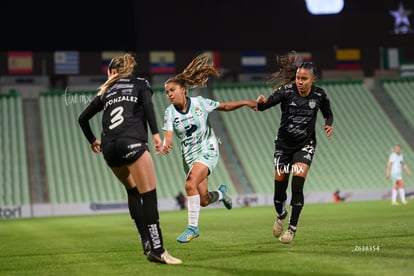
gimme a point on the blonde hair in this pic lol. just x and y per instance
(124, 67)
(197, 72)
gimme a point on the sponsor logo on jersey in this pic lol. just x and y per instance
(130, 154)
(134, 145)
(189, 130)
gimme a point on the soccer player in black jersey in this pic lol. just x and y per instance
(126, 102)
(295, 142)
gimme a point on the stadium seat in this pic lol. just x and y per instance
(14, 187)
(401, 92)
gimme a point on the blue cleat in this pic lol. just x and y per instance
(226, 199)
(191, 232)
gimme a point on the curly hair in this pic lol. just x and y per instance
(124, 67)
(196, 73)
(287, 70)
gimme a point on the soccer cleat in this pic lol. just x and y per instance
(146, 246)
(191, 232)
(395, 203)
(226, 199)
(278, 227)
(405, 202)
(288, 236)
(164, 258)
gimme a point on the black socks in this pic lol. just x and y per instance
(297, 201)
(149, 201)
(279, 197)
(213, 195)
(136, 211)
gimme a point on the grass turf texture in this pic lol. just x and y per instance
(348, 238)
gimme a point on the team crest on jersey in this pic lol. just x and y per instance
(198, 111)
(312, 104)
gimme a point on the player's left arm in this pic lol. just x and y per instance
(327, 114)
(407, 170)
(148, 106)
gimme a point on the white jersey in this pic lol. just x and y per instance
(192, 127)
(396, 163)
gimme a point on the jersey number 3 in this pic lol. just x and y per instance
(116, 117)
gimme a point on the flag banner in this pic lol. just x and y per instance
(253, 61)
(162, 62)
(392, 58)
(407, 70)
(107, 57)
(20, 62)
(348, 59)
(66, 62)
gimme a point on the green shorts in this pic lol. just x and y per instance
(209, 159)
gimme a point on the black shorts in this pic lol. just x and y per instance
(123, 151)
(284, 159)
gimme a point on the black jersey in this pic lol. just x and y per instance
(297, 125)
(127, 108)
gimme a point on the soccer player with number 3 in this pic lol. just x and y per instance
(126, 102)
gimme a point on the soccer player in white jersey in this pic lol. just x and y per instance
(395, 166)
(187, 117)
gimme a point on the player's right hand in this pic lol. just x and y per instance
(96, 146)
(261, 99)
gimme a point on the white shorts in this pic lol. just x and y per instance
(395, 177)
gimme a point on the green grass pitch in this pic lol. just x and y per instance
(348, 238)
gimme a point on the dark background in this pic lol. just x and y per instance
(187, 27)
(266, 25)
(196, 25)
